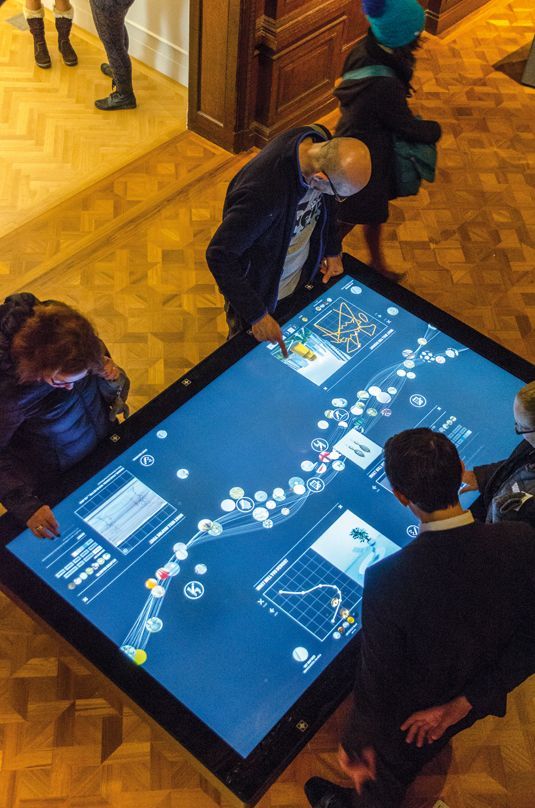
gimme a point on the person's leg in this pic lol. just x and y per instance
(34, 13)
(111, 29)
(64, 12)
(372, 236)
(106, 68)
(398, 763)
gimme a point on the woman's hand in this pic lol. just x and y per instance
(109, 371)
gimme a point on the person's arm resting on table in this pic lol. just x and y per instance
(15, 490)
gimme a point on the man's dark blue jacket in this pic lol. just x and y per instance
(247, 253)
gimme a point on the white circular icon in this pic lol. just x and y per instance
(260, 514)
(161, 433)
(245, 504)
(193, 590)
(315, 485)
(412, 531)
(300, 654)
(146, 460)
(182, 474)
(319, 444)
(417, 400)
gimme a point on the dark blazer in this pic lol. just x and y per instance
(451, 614)
(373, 110)
(43, 430)
(247, 253)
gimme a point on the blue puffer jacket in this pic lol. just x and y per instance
(43, 430)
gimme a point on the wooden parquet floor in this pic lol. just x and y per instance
(129, 251)
(52, 139)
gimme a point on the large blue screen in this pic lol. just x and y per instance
(226, 550)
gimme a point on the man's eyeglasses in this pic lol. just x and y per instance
(521, 431)
(337, 196)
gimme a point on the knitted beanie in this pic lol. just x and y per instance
(394, 23)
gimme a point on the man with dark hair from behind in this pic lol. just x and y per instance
(448, 629)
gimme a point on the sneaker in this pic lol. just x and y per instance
(323, 794)
(117, 101)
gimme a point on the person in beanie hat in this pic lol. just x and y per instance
(394, 23)
(375, 108)
(63, 13)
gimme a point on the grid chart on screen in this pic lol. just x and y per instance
(125, 511)
(316, 586)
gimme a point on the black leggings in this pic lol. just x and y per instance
(109, 21)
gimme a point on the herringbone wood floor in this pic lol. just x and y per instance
(129, 251)
(52, 139)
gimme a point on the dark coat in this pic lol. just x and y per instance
(451, 614)
(492, 476)
(373, 110)
(247, 253)
(43, 430)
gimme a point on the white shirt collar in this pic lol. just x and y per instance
(465, 518)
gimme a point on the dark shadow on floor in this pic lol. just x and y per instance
(514, 63)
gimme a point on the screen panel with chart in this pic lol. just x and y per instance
(224, 552)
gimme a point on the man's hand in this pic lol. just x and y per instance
(469, 482)
(268, 329)
(109, 371)
(43, 523)
(426, 726)
(360, 770)
(331, 266)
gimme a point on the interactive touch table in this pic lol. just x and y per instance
(212, 555)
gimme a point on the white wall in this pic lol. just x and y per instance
(158, 31)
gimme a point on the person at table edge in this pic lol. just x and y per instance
(279, 224)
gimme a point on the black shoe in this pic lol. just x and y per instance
(323, 794)
(117, 101)
(106, 69)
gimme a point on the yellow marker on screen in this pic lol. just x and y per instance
(140, 656)
(302, 350)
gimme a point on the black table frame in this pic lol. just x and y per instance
(245, 779)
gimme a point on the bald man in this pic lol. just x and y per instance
(279, 225)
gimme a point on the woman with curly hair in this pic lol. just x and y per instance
(58, 397)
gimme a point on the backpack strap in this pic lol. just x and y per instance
(369, 72)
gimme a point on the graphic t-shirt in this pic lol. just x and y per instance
(306, 216)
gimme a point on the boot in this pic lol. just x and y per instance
(63, 27)
(117, 100)
(35, 20)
